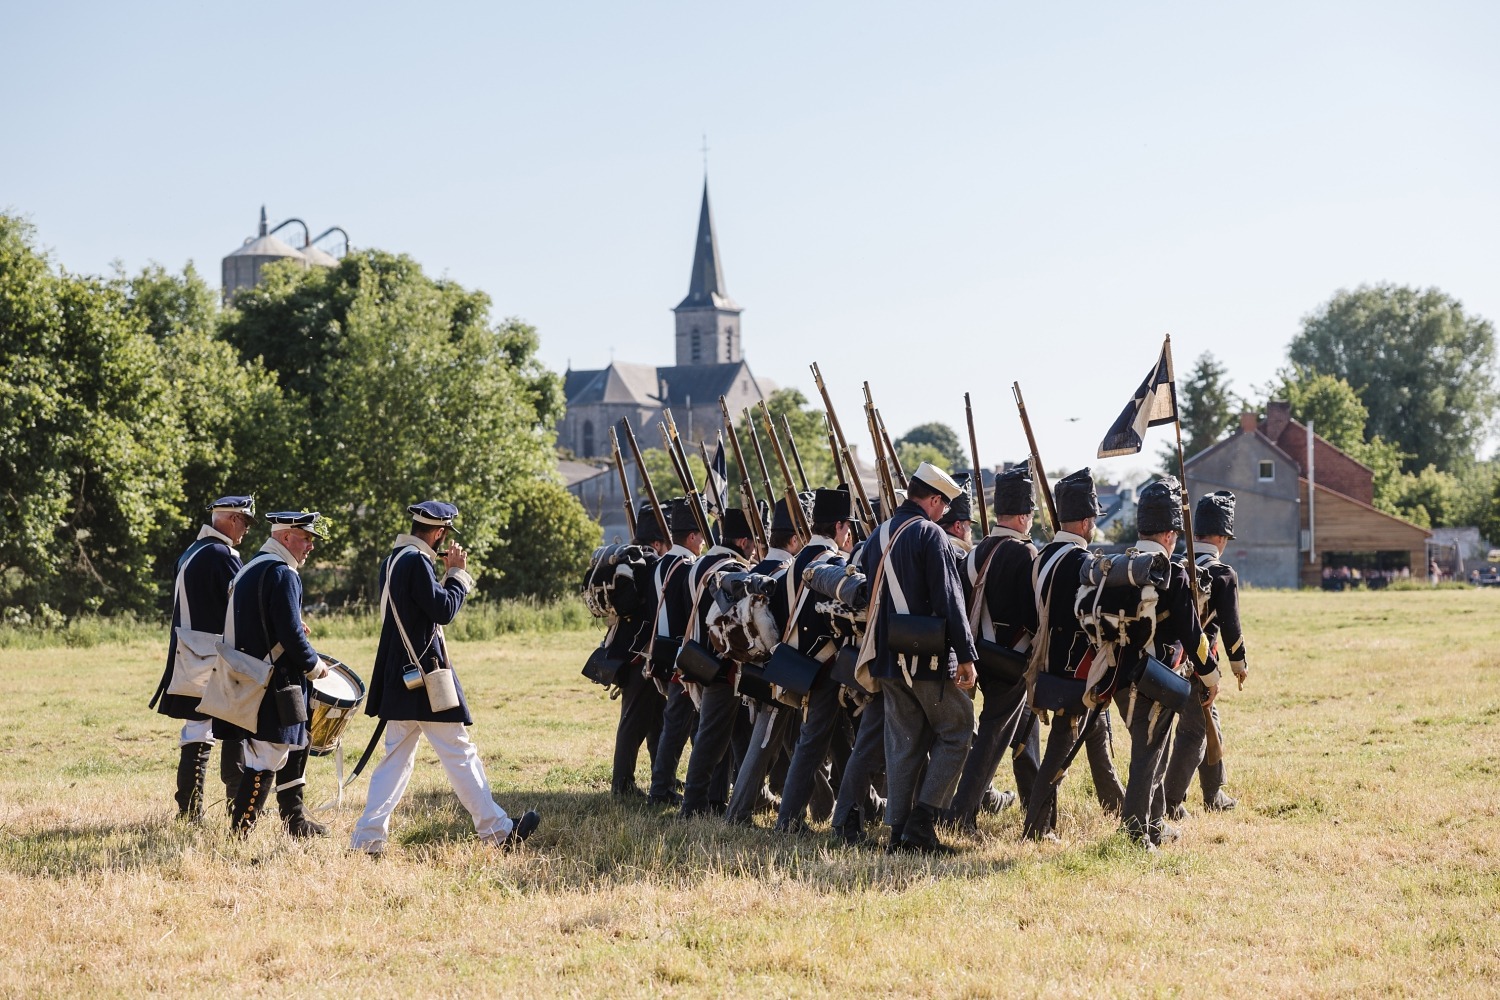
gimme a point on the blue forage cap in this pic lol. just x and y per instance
(307, 520)
(240, 505)
(433, 512)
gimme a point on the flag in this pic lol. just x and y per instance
(1155, 403)
(717, 487)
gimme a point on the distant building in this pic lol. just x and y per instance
(242, 267)
(1265, 462)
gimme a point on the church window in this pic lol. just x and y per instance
(588, 438)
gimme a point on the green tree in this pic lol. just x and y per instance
(810, 431)
(88, 438)
(914, 454)
(409, 391)
(942, 439)
(1208, 407)
(1327, 402)
(1423, 368)
(545, 560)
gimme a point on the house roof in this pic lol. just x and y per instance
(1302, 481)
(1235, 437)
(574, 473)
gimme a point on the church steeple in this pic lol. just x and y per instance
(707, 319)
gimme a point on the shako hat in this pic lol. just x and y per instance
(681, 517)
(646, 528)
(735, 524)
(1014, 491)
(781, 515)
(830, 505)
(1159, 507)
(1075, 497)
(1214, 515)
(961, 507)
(286, 520)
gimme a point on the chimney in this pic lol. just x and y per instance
(1248, 421)
(1278, 416)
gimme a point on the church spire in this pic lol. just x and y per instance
(706, 286)
(708, 319)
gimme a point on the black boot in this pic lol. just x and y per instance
(191, 767)
(249, 799)
(231, 769)
(896, 843)
(919, 834)
(290, 785)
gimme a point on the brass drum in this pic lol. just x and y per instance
(336, 696)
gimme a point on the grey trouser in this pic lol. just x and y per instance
(640, 722)
(1004, 707)
(716, 713)
(1145, 802)
(679, 718)
(1027, 744)
(813, 744)
(866, 760)
(767, 741)
(1041, 805)
(928, 724)
(1188, 748)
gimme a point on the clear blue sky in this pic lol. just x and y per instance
(937, 198)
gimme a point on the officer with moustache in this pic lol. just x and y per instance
(832, 539)
(929, 720)
(265, 618)
(671, 621)
(1213, 527)
(1002, 611)
(1064, 651)
(199, 600)
(634, 600)
(718, 702)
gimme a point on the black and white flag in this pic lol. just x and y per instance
(1155, 403)
(717, 488)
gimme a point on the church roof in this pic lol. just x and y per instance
(645, 385)
(706, 287)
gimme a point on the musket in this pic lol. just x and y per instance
(793, 501)
(614, 444)
(685, 474)
(833, 450)
(760, 458)
(866, 513)
(885, 436)
(1090, 719)
(791, 443)
(635, 450)
(747, 494)
(1038, 471)
(882, 464)
(984, 512)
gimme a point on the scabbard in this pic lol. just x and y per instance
(364, 758)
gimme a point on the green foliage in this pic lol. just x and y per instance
(87, 439)
(1328, 402)
(942, 439)
(551, 537)
(1422, 368)
(1209, 409)
(810, 431)
(913, 455)
(409, 392)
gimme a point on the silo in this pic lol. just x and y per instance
(242, 267)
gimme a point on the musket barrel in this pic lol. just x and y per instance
(793, 501)
(747, 493)
(635, 450)
(1038, 470)
(984, 513)
(791, 442)
(855, 483)
(614, 444)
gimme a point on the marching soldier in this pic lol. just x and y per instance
(1213, 527)
(1003, 611)
(1178, 634)
(1065, 652)
(832, 538)
(265, 616)
(718, 702)
(673, 607)
(640, 702)
(415, 606)
(199, 600)
(929, 722)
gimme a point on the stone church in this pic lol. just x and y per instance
(709, 365)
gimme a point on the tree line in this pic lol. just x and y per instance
(128, 402)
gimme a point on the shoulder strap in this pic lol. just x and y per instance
(229, 615)
(979, 611)
(802, 591)
(897, 595)
(385, 601)
(179, 594)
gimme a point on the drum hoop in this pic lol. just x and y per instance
(333, 701)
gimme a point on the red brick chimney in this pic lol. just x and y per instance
(1248, 421)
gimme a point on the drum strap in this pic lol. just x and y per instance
(364, 758)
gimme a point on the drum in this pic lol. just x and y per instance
(336, 696)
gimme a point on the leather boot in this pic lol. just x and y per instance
(191, 767)
(291, 783)
(231, 769)
(249, 799)
(919, 834)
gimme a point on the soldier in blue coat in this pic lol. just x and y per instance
(200, 596)
(265, 619)
(640, 702)
(415, 605)
(929, 720)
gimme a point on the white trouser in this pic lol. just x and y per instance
(460, 759)
(197, 732)
(263, 756)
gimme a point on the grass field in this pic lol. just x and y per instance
(1364, 858)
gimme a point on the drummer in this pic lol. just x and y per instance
(415, 606)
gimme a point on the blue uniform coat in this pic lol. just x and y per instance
(211, 564)
(423, 603)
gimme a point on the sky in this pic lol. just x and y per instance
(936, 198)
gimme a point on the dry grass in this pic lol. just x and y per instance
(1364, 860)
